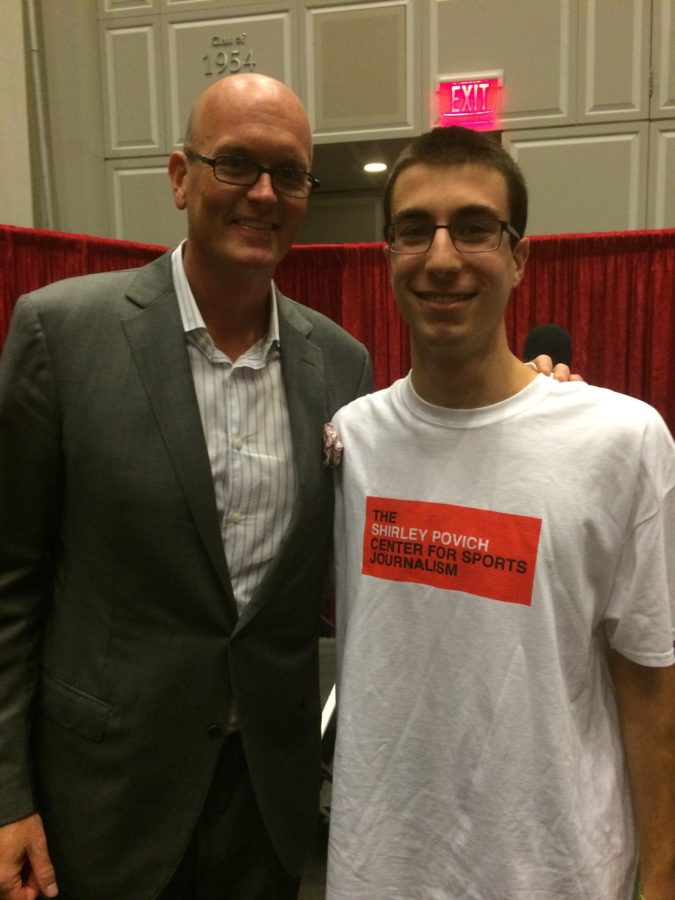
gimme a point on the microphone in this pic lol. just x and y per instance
(550, 339)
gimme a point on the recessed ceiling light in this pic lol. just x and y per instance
(375, 167)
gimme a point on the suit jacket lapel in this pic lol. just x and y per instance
(155, 332)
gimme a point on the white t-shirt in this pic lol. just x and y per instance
(485, 559)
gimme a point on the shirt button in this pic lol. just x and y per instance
(215, 732)
(237, 443)
(235, 518)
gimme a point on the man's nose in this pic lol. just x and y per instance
(443, 255)
(263, 189)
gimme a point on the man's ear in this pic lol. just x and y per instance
(520, 254)
(177, 173)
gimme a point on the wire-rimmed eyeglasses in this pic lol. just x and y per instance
(233, 169)
(479, 235)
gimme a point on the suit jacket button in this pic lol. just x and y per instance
(216, 732)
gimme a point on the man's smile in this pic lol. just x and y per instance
(444, 298)
(256, 224)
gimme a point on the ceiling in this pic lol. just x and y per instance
(339, 167)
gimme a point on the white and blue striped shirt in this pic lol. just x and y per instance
(247, 429)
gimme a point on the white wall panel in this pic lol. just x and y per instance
(534, 44)
(200, 50)
(74, 109)
(614, 39)
(132, 72)
(360, 69)
(661, 205)
(126, 7)
(220, 6)
(15, 140)
(142, 202)
(663, 50)
(583, 179)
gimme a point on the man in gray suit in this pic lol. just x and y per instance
(164, 529)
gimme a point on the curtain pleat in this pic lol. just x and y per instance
(614, 293)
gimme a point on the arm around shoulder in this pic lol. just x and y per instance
(646, 703)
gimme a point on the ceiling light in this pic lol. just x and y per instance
(375, 167)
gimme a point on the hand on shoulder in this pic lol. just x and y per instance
(544, 365)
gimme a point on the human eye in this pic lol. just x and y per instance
(475, 231)
(234, 166)
(411, 231)
(287, 176)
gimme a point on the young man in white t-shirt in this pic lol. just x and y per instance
(505, 587)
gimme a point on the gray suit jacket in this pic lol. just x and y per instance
(120, 647)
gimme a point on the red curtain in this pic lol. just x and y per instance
(614, 293)
(349, 283)
(30, 259)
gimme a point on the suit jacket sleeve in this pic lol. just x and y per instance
(30, 467)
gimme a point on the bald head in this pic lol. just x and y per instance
(260, 97)
(242, 229)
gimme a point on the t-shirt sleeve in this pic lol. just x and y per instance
(640, 615)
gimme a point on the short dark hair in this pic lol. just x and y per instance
(456, 146)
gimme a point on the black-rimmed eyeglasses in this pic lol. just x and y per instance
(233, 169)
(468, 235)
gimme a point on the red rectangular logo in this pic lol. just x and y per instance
(478, 551)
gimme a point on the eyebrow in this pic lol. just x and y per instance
(471, 209)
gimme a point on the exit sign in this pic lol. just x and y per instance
(472, 101)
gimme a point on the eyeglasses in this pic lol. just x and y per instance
(468, 235)
(232, 169)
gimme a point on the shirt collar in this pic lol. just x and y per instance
(190, 315)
